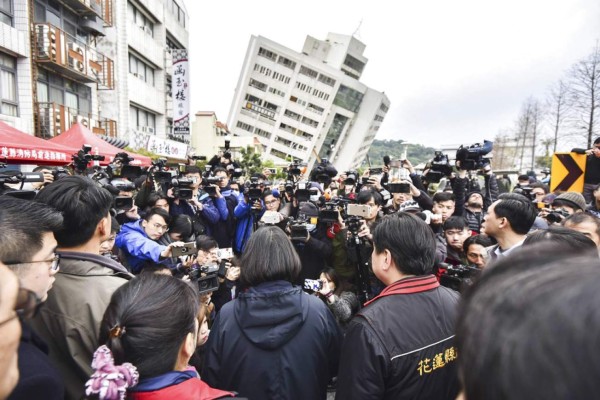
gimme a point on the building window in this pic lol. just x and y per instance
(354, 63)
(348, 98)
(267, 54)
(177, 12)
(141, 70)
(52, 88)
(292, 115)
(8, 86)
(173, 44)
(286, 62)
(257, 84)
(383, 108)
(53, 12)
(142, 120)
(6, 12)
(245, 126)
(262, 132)
(140, 20)
(327, 80)
(308, 72)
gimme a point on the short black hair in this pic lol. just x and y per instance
(518, 324)
(22, 224)
(579, 218)
(574, 240)
(83, 204)
(155, 313)
(410, 241)
(282, 263)
(364, 196)
(518, 210)
(597, 141)
(540, 185)
(455, 222)
(154, 197)
(441, 197)
(161, 212)
(181, 223)
(206, 243)
(192, 169)
(481, 240)
(219, 169)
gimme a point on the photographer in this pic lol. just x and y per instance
(456, 231)
(223, 230)
(474, 204)
(335, 292)
(248, 212)
(592, 171)
(138, 240)
(474, 248)
(180, 230)
(314, 248)
(201, 208)
(563, 206)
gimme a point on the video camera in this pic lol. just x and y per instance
(82, 158)
(294, 170)
(471, 158)
(60, 172)
(351, 178)
(182, 188)
(207, 276)
(298, 228)
(253, 191)
(440, 167)
(15, 177)
(323, 172)
(458, 277)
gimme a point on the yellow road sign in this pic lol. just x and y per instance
(567, 172)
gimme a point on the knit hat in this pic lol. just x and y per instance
(408, 206)
(574, 198)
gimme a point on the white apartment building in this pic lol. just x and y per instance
(103, 63)
(308, 105)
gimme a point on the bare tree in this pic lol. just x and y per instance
(536, 117)
(558, 107)
(585, 94)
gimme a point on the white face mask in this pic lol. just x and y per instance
(311, 227)
(236, 193)
(314, 198)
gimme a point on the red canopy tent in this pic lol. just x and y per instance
(78, 135)
(18, 147)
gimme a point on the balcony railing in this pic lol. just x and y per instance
(52, 119)
(100, 8)
(72, 57)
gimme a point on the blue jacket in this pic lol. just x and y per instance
(273, 342)
(223, 230)
(245, 221)
(138, 247)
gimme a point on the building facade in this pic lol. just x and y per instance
(308, 105)
(103, 63)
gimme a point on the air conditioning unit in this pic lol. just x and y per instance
(150, 130)
(75, 62)
(83, 121)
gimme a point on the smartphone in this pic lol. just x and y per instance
(375, 171)
(395, 164)
(225, 253)
(360, 210)
(328, 215)
(272, 170)
(399, 187)
(313, 284)
(185, 250)
(365, 180)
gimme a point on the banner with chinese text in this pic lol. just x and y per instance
(180, 94)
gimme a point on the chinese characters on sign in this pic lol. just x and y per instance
(167, 148)
(32, 155)
(180, 93)
(427, 365)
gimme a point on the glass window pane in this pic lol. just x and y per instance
(133, 117)
(9, 109)
(8, 85)
(71, 101)
(151, 121)
(56, 95)
(42, 92)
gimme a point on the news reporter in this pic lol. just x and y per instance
(342, 302)
(272, 323)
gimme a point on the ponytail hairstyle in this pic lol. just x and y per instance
(147, 320)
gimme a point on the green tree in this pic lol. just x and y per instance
(250, 161)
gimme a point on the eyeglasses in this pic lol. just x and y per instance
(53, 267)
(164, 228)
(26, 305)
(268, 203)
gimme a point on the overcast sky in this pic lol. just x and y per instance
(455, 71)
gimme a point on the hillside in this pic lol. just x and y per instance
(416, 153)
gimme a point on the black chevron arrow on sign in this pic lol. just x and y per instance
(574, 172)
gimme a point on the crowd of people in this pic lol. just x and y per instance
(213, 285)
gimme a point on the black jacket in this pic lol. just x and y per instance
(273, 342)
(401, 346)
(38, 377)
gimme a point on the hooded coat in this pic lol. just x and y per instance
(273, 342)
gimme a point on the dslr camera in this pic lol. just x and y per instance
(440, 167)
(458, 277)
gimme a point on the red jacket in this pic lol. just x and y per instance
(190, 389)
